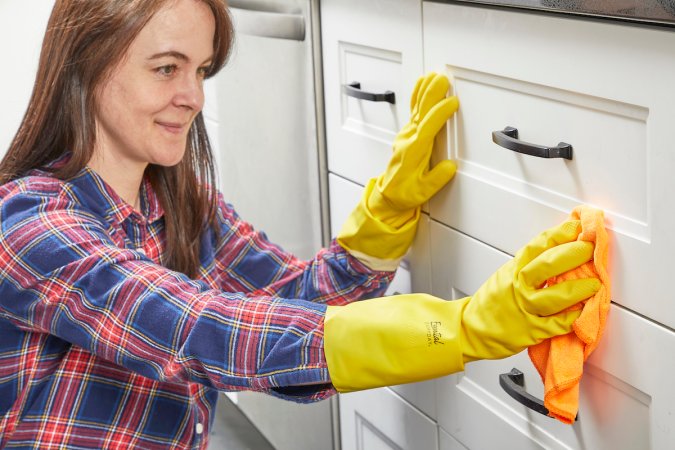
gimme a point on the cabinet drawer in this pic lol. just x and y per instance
(626, 393)
(603, 88)
(378, 45)
(380, 419)
(447, 442)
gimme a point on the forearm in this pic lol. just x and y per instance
(165, 327)
(333, 277)
(248, 262)
(65, 276)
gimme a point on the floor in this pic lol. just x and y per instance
(233, 431)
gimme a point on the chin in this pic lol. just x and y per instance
(170, 157)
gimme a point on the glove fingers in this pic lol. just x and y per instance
(553, 299)
(418, 155)
(435, 91)
(565, 232)
(415, 94)
(419, 94)
(556, 261)
(438, 116)
(559, 324)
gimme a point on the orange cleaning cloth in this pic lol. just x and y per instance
(560, 360)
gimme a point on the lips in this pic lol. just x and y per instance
(172, 127)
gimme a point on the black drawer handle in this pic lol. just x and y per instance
(353, 89)
(508, 138)
(514, 385)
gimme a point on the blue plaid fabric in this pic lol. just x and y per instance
(103, 347)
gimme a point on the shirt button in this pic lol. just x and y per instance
(141, 251)
(199, 428)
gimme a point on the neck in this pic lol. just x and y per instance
(125, 177)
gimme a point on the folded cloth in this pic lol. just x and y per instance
(560, 360)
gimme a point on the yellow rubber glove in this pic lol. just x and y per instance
(511, 311)
(382, 226)
(415, 337)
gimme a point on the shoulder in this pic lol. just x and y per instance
(35, 194)
(225, 211)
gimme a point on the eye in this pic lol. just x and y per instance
(167, 70)
(203, 71)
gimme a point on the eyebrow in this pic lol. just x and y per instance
(175, 54)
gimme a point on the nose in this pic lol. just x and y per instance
(190, 93)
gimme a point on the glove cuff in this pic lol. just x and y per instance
(392, 340)
(377, 244)
(381, 207)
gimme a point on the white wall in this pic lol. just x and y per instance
(22, 26)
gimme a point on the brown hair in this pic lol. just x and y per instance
(84, 41)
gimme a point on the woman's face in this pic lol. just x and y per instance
(146, 108)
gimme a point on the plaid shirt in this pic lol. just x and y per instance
(103, 347)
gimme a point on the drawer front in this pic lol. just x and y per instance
(414, 275)
(378, 45)
(447, 442)
(378, 419)
(603, 88)
(626, 393)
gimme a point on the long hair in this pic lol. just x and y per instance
(84, 41)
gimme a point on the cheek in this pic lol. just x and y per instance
(134, 106)
(115, 105)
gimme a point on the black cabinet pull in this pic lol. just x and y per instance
(353, 89)
(514, 385)
(508, 138)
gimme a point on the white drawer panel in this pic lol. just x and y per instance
(626, 393)
(378, 419)
(378, 45)
(561, 80)
(447, 442)
(344, 196)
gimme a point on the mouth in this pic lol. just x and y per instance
(172, 127)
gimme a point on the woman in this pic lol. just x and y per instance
(131, 292)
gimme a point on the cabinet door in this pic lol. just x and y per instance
(604, 88)
(447, 442)
(379, 419)
(414, 275)
(377, 44)
(626, 393)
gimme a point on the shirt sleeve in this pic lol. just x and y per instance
(248, 262)
(63, 275)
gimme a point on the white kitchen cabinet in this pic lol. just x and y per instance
(447, 442)
(379, 419)
(378, 44)
(626, 393)
(604, 88)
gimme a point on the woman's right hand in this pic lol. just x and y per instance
(515, 309)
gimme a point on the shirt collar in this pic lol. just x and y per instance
(97, 195)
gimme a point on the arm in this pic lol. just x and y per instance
(63, 275)
(360, 262)
(414, 337)
(247, 262)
